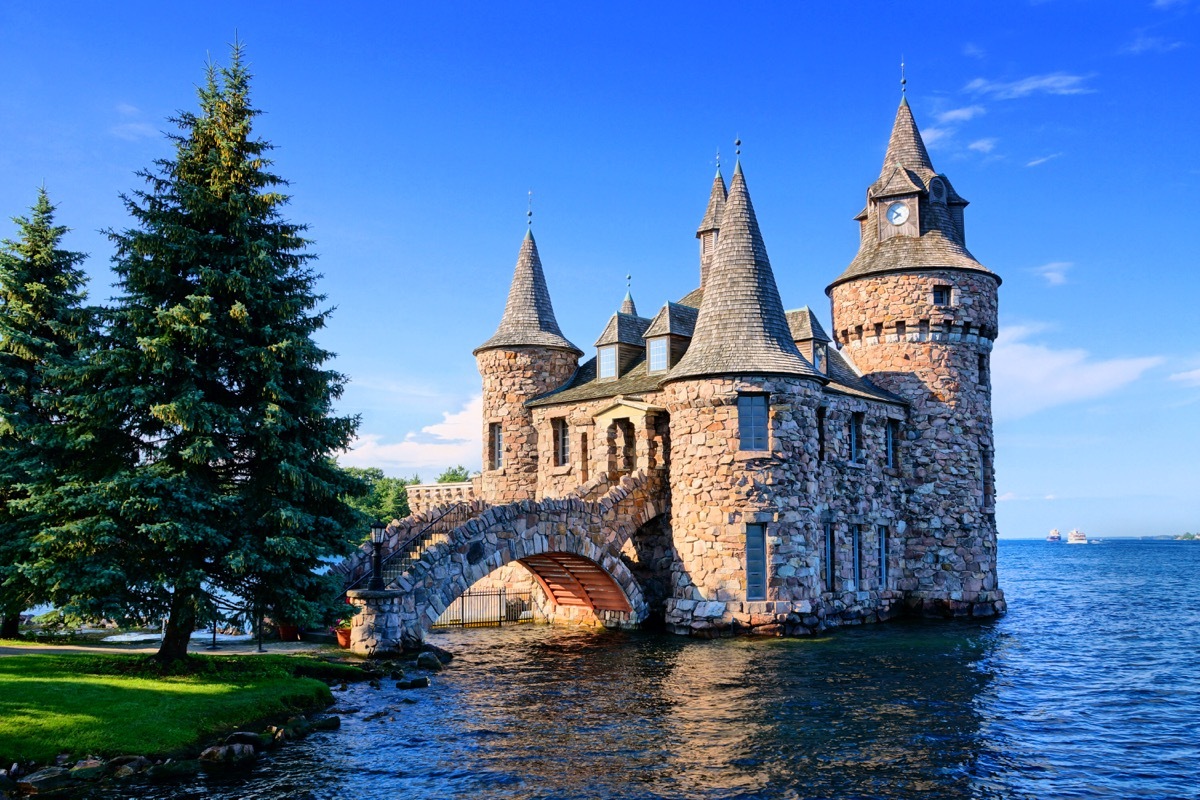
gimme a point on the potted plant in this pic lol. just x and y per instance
(343, 624)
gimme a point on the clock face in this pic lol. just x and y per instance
(897, 213)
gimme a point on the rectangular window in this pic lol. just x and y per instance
(658, 355)
(584, 455)
(923, 329)
(830, 551)
(983, 369)
(608, 362)
(941, 295)
(856, 552)
(893, 444)
(562, 442)
(858, 332)
(856, 437)
(819, 354)
(985, 469)
(495, 446)
(756, 562)
(901, 330)
(752, 421)
(821, 433)
(883, 556)
(878, 330)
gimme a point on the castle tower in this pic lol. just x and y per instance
(710, 226)
(916, 312)
(526, 357)
(742, 404)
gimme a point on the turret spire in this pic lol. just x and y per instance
(528, 319)
(741, 327)
(627, 306)
(905, 147)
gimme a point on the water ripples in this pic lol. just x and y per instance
(1089, 688)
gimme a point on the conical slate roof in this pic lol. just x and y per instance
(528, 315)
(905, 147)
(804, 325)
(940, 244)
(741, 328)
(627, 306)
(716, 203)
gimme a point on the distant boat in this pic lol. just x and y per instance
(1095, 541)
(1076, 536)
(1054, 536)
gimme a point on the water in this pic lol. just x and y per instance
(1089, 688)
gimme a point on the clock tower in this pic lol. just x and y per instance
(916, 313)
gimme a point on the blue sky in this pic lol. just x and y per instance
(411, 135)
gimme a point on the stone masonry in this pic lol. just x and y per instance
(728, 467)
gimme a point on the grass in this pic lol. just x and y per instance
(109, 705)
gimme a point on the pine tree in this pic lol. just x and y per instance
(211, 373)
(43, 324)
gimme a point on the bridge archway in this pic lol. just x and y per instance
(572, 546)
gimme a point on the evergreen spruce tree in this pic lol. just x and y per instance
(42, 326)
(212, 376)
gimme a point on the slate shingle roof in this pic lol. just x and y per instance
(584, 386)
(804, 325)
(908, 170)
(716, 204)
(627, 306)
(673, 318)
(845, 379)
(694, 298)
(741, 328)
(624, 329)
(528, 315)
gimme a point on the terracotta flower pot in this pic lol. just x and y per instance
(289, 633)
(343, 635)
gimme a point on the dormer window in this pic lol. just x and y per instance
(658, 354)
(608, 362)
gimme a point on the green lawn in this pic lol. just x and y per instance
(111, 705)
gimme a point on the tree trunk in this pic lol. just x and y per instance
(180, 625)
(10, 624)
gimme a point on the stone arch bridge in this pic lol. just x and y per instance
(572, 546)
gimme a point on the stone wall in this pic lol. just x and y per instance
(511, 376)
(423, 496)
(938, 361)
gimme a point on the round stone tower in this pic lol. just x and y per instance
(743, 406)
(917, 314)
(526, 357)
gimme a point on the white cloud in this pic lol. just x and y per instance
(1042, 160)
(1053, 83)
(1144, 43)
(128, 110)
(457, 439)
(1189, 378)
(931, 136)
(134, 131)
(1050, 497)
(1164, 4)
(1029, 377)
(960, 114)
(973, 50)
(1007, 496)
(982, 145)
(1054, 273)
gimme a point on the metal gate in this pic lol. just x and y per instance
(488, 608)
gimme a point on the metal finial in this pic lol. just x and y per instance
(628, 282)
(529, 213)
(738, 144)
(903, 80)
(718, 158)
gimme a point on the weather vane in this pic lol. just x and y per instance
(718, 158)
(903, 80)
(628, 282)
(529, 213)
(737, 143)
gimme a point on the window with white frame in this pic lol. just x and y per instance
(658, 354)
(495, 446)
(562, 442)
(608, 362)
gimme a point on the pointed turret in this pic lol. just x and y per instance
(627, 306)
(528, 315)
(905, 147)
(913, 218)
(741, 328)
(709, 230)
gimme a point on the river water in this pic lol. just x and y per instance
(1088, 688)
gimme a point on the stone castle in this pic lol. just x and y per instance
(795, 479)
